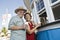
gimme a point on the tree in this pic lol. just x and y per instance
(4, 30)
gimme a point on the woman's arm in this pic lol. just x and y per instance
(30, 31)
(36, 24)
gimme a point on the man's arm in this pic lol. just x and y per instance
(12, 25)
(17, 28)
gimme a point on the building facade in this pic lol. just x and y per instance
(44, 9)
(33, 10)
(48, 13)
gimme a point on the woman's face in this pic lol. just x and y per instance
(28, 17)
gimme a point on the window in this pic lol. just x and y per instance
(31, 1)
(43, 18)
(40, 5)
(52, 1)
(56, 12)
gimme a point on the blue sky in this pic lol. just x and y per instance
(11, 5)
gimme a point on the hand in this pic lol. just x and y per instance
(38, 24)
(23, 26)
(26, 23)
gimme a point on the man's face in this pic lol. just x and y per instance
(20, 13)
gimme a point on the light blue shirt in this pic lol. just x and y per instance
(17, 34)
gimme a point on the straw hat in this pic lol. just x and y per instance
(20, 8)
(28, 12)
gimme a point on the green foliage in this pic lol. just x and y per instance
(4, 30)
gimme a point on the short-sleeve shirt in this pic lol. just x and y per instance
(17, 34)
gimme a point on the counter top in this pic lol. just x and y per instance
(49, 25)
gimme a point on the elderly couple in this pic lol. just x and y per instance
(21, 30)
